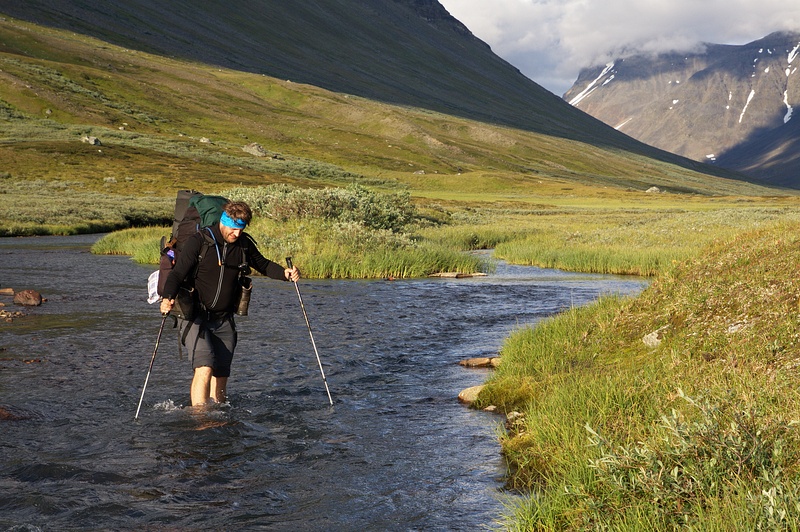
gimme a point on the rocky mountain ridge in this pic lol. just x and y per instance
(734, 106)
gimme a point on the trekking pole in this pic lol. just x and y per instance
(313, 343)
(153, 359)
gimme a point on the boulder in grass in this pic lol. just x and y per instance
(255, 149)
(28, 298)
(654, 338)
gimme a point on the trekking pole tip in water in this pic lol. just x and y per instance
(308, 324)
(152, 359)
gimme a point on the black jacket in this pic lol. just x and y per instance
(216, 282)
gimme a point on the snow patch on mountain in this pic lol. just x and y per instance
(618, 127)
(589, 89)
(679, 103)
(793, 54)
(749, 99)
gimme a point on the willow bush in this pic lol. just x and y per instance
(354, 204)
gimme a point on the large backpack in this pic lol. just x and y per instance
(193, 212)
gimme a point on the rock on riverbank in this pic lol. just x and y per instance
(470, 395)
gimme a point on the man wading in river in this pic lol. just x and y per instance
(211, 335)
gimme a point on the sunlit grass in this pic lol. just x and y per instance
(315, 251)
(142, 244)
(40, 207)
(617, 434)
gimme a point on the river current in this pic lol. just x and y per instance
(396, 451)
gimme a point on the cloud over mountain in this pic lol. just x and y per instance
(551, 40)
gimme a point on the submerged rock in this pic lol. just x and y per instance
(8, 316)
(6, 415)
(28, 298)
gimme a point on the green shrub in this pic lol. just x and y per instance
(354, 204)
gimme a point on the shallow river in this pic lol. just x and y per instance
(395, 452)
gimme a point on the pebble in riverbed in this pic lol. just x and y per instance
(9, 316)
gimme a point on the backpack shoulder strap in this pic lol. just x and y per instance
(209, 240)
(246, 242)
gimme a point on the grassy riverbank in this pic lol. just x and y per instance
(354, 232)
(699, 430)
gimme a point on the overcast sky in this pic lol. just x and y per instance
(551, 40)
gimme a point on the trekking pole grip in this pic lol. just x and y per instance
(289, 262)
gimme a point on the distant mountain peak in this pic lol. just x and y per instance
(735, 106)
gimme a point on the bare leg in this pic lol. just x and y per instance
(219, 389)
(201, 385)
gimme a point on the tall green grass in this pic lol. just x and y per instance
(470, 236)
(316, 251)
(638, 242)
(39, 207)
(697, 432)
(142, 244)
(611, 259)
(352, 231)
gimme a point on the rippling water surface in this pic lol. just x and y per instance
(395, 452)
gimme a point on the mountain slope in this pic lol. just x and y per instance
(734, 106)
(407, 52)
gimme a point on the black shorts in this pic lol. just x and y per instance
(211, 343)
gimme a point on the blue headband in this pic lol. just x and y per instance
(227, 221)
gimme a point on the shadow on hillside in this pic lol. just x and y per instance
(405, 52)
(769, 154)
